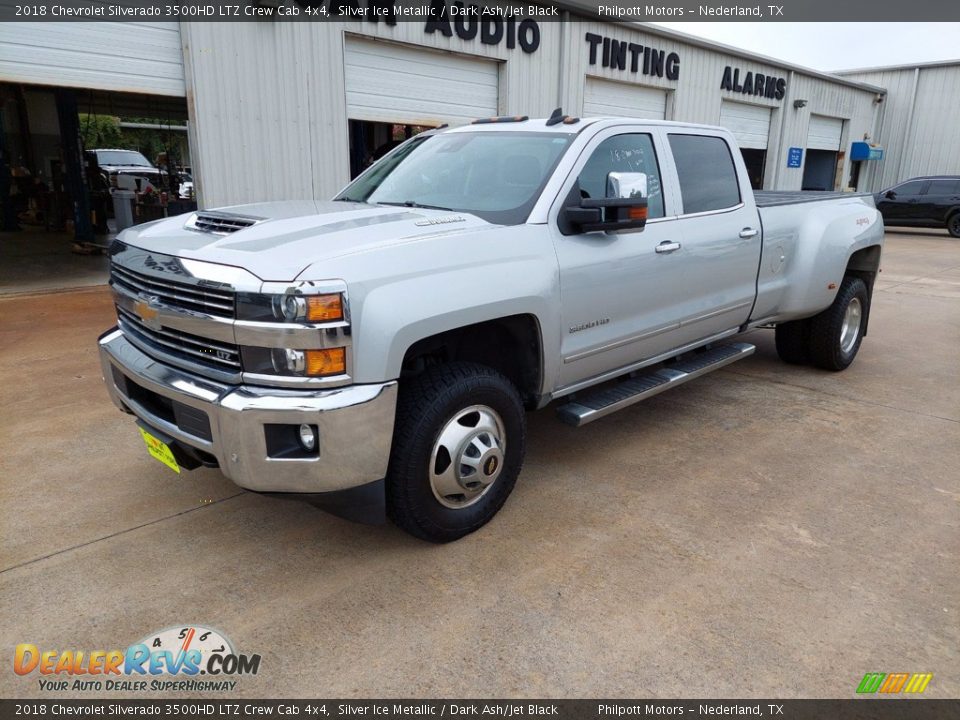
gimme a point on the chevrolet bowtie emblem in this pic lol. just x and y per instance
(146, 310)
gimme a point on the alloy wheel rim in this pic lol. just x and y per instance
(850, 329)
(467, 457)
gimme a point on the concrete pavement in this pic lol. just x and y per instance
(765, 531)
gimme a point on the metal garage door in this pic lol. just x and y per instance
(750, 124)
(605, 98)
(398, 84)
(824, 133)
(130, 57)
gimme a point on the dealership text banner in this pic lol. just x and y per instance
(394, 11)
(565, 709)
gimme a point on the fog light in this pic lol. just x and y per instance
(308, 437)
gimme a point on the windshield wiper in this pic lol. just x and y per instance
(412, 204)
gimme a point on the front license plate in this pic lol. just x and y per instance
(160, 450)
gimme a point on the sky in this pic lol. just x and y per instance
(835, 46)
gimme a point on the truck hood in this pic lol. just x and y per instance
(133, 169)
(289, 236)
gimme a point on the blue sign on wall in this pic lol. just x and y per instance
(795, 157)
(865, 151)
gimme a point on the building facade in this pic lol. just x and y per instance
(314, 102)
(293, 110)
(919, 123)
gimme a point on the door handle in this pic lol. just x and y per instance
(667, 247)
(748, 233)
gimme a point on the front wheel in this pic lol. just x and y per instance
(836, 333)
(458, 446)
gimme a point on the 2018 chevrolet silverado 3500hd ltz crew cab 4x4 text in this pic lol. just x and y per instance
(375, 354)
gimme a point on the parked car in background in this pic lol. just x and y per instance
(122, 169)
(186, 185)
(923, 202)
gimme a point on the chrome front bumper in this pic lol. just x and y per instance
(355, 423)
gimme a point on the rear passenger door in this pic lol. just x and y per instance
(716, 272)
(941, 195)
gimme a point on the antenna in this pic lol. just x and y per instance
(556, 117)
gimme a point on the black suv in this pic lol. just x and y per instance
(923, 202)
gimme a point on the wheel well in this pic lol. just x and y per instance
(865, 264)
(510, 345)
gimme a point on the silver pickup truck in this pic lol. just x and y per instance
(375, 354)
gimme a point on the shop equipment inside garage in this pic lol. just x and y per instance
(60, 208)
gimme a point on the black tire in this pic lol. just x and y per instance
(953, 224)
(826, 349)
(427, 403)
(793, 339)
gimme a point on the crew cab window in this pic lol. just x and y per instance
(708, 177)
(944, 187)
(623, 153)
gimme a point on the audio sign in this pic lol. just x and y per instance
(492, 25)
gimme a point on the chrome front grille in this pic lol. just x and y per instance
(175, 294)
(213, 354)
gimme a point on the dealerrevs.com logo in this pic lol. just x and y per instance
(186, 658)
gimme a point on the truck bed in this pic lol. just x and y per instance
(772, 198)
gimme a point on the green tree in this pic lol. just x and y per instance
(100, 131)
(104, 131)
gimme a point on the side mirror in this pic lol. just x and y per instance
(627, 185)
(607, 214)
(890, 195)
(623, 208)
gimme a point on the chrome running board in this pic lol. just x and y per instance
(595, 405)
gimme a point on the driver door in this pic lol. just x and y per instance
(610, 282)
(901, 202)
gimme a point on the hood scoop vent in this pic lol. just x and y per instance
(220, 223)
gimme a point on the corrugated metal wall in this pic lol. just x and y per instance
(919, 122)
(268, 100)
(696, 95)
(141, 57)
(265, 97)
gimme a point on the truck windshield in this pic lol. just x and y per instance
(122, 157)
(497, 176)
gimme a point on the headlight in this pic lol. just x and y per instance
(287, 362)
(291, 307)
(310, 363)
(289, 333)
(309, 308)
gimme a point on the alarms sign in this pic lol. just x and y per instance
(751, 83)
